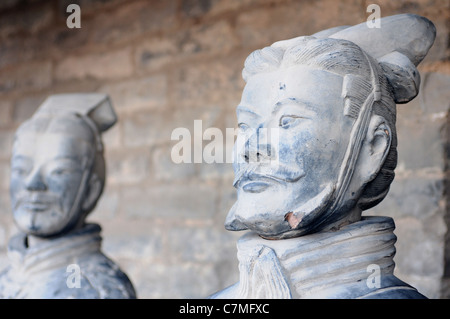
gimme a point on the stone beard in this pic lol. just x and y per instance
(57, 177)
(332, 99)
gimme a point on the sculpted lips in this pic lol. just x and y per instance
(256, 180)
(35, 202)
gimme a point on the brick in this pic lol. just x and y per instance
(31, 20)
(146, 128)
(436, 95)
(160, 15)
(6, 4)
(5, 207)
(217, 84)
(228, 196)
(432, 100)
(165, 169)
(107, 205)
(29, 76)
(4, 175)
(215, 171)
(413, 241)
(187, 280)
(126, 240)
(217, 37)
(112, 138)
(223, 6)
(127, 168)
(18, 49)
(114, 26)
(103, 66)
(3, 239)
(88, 7)
(138, 94)
(63, 40)
(414, 196)
(211, 8)
(155, 53)
(128, 20)
(210, 115)
(149, 128)
(25, 108)
(6, 142)
(202, 244)
(421, 143)
(5, 112)
(262, 27)
(169, 201)
(195, 8)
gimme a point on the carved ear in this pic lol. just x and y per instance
(93, 192)
(374, 149)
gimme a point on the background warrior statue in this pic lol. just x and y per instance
(57, 176)
(331, 97)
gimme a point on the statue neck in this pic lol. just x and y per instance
(33, 240)
(319, 265)
(34, 254)
(354, 215)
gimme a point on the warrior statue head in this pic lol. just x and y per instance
(57, 177)
(330, 100)
(57, 167)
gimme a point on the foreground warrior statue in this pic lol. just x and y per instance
(57, 176)
(331, 98)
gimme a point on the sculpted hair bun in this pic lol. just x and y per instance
(399, 45)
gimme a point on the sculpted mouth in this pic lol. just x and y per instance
(35, 202)
(256, 182)
(256, 185)
(36, 206)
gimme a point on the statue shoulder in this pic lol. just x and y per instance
(106, 277)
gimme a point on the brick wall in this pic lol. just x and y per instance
(168, 63)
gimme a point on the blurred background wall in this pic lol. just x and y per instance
(168, 63)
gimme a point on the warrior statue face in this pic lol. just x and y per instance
(309, 145)
(53, 185)
(312, 175)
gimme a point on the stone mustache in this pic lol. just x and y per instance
(57, 177)
(332, 96)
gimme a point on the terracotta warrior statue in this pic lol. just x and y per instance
(317, 146)
(57, 177)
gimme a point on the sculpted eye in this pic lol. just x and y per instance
(62, 171)
(287, 121)
(243, 127)
(18, 170)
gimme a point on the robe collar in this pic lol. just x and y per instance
(53, 253)
(332, 264)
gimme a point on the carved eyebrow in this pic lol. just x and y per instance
(243, 108)
(292, 100)
(21, 158)
(66, 158)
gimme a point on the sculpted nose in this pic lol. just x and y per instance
(259, 153)
(34, 181)
(259, 147)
